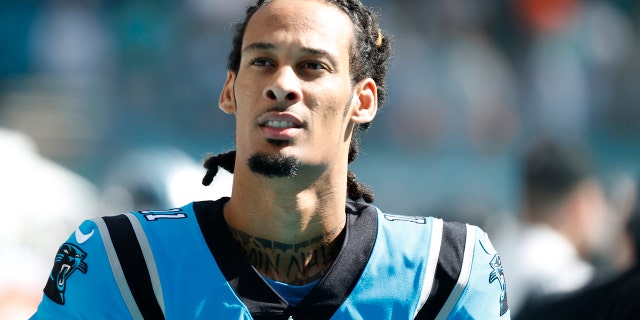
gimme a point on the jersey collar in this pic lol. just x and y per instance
(259, 298)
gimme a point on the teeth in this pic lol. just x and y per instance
(279, 124)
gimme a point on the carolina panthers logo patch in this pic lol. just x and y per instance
(498, 274)
(69, 259)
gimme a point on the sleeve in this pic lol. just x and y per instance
(485, 294)
(81, 284)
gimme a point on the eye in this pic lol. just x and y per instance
(313, 65)
(261, 62)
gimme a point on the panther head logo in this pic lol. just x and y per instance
(68, 259)
(498, 274)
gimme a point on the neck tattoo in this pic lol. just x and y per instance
(295, 264)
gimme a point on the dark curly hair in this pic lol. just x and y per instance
(369, 56)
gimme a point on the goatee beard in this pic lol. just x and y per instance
(274, 166)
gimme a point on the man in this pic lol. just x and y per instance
(563, 215)
(613, 298)
(304, 76)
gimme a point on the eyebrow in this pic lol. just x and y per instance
(259, 46)
(270, 46)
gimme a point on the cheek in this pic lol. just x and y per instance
(330, 123)
(245, 95)
(332, 106)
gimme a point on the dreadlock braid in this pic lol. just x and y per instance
(226, 161)
(357, 190)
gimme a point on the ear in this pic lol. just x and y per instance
(227, 102)
(365, 101)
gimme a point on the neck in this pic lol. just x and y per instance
(292, 263)
(288, 210)
(289, 228)
(294, 242)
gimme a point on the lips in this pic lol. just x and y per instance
(280, 126)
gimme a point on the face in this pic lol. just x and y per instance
(292, 96)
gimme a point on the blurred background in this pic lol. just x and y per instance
(119, 95)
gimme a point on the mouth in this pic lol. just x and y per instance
(62, 275)
(280, 126)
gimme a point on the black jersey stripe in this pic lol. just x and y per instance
(116, 269)
(133, 265)
(463, 278)
(149, 259)
(450, 261)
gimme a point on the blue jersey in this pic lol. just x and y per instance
(183, 264)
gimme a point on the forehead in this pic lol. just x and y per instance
(306, 23)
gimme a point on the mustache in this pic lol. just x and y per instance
(275, 108)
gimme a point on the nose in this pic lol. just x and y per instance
(284, 87)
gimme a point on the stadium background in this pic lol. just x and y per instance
(471, 83)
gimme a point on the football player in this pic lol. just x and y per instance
(299, 237)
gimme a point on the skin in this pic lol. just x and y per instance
(294, 67)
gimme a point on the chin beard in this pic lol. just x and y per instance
(271, 166)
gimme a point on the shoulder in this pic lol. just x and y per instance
(88, 273)
(81, 280)
(481, 286)
(168, 221)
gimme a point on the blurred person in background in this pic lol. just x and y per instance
(563, 212)
(158, 177)
(614, 251)
(615, 297)
(41, 202)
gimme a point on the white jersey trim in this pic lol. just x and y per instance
(465, 272)
(432, 263)
(116, 269)
(148, 258)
